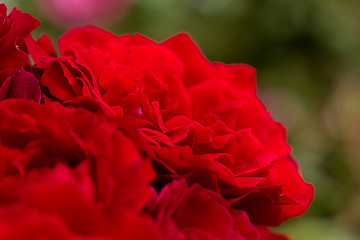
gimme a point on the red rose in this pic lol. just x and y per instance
(180, 212)
(126, 71)
(71, 171)
(15, 82)
(202, 120)
(23, 85)
(194, 212)
(270, 192)
(61, 203)
(13, 29)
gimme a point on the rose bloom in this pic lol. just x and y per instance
(21, 84)
(70, 173)
(13, 28)
(202, 120)
(194, 212)
(15, 82)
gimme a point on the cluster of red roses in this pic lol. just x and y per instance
(126, 138)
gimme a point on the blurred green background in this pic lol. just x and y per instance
(307, 56)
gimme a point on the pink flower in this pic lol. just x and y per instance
(80, 12)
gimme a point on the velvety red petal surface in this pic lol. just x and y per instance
(13, 27)
(139, 113)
